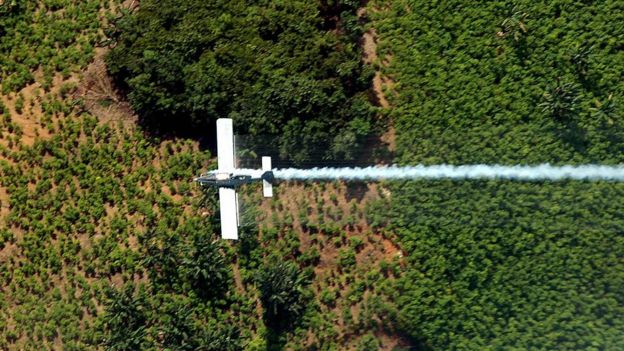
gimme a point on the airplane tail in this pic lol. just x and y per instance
(267, 177)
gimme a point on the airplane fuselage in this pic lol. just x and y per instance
(234, 178)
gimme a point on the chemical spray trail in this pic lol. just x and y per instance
(521, 173)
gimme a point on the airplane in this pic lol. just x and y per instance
(227, 178)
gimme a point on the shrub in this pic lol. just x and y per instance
(368, 343)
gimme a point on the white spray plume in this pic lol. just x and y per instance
(523, 173)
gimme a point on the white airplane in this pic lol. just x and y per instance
(227, 178)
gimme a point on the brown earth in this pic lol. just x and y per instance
(306, 206)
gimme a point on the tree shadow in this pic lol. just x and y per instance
(590, 82)
(159, 126)
(368, 151)
(574, 135)
(356, 190)
(521, 50)
(174, 128)
(277, 330)
(275, 339)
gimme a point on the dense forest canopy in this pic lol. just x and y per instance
(292, 68)
(507, 82)
(504, 265)
(499, 264)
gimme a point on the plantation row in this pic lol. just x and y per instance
(44, 38)
(350, 269)
(106, 244)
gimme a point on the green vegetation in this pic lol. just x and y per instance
(497, 264)
(503, 83)
(515, 265)
(105, 244)
(317, 303)
(38, 36)
(102, 245)
(291, 68)
(281, 292)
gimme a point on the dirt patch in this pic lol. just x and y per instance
(368, 43)
(389, 138)
(381, 83)
(28, 120)
(100, 96)
(369, 46)
(391, 251)
(238, 280)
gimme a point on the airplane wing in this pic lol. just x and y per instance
(225, 144)
(227, 197)
(228, 205)
(267, 187)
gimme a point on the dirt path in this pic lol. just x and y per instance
(380, 82)
(369, 44)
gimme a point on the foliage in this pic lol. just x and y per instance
(515, 265)
(33, 37)
(105, 242)
(206, 268)
(515, 24)
(291, 68)
(214, 338)
(282, 294)
(467, 95)
(560, 101)
(135, 321)
(580, 58)
(368, 343)
(96, 217)
(125, 319)
(500, 264)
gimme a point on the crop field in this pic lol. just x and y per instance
(106, 244)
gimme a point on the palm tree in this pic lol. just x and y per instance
(514, 25)
(205, 267)
(125, 319)
(282, 289)
(580, 58)
(223, 338)
(560, 101)
(162, 256)
(606, 111)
